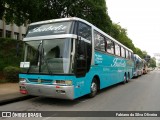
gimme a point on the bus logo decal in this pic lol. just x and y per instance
(118, 63)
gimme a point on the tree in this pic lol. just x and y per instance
(120, 34)
(2, 8)
(139, 52)
(94, 11)
(152, 63)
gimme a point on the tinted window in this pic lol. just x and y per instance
(99, 41)
(117, 49)
(127, 54)
(110, 46)
(84, 31)
(123, 54)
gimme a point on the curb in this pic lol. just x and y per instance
(12, 100)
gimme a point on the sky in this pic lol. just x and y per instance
(141, 18)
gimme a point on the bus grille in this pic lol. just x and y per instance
(41, 81)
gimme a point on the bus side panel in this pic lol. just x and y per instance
(110, 68)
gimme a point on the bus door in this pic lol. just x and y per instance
(83, 49)
(83, 58)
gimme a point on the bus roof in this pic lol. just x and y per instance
(79, 19)
(137, 56)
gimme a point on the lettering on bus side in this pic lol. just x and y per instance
(118, 62)
(98, 58)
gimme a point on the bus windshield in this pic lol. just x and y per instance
(48, 56)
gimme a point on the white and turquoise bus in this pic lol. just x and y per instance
(138, 66)
(69, 57)
(145, 66)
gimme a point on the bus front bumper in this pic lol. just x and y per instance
(54, 91)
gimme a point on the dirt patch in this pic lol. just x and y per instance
(7, 88)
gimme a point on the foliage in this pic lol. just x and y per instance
(3, 81)
(2, 8)
(94, 11)
(139, 52)
(10, 52)
(152, 63)
(11, 73)
(120, 34)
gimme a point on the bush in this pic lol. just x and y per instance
(11, 73)
(10, 52)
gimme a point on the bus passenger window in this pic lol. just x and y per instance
(110, 46)
(132, 56)
(117, 49)
(123, 54)
(84, 31)
(81, 50)
(99, 41)
(127, 54)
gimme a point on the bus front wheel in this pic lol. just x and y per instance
(94, 88)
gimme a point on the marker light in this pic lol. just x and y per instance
(22, 80)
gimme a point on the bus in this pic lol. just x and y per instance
(138, 66)
(69, 57)
(145, 66)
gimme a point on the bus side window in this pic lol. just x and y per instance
(132, 56)
(127, 54)
(117, 49)
(110, 46)
(123, 52)
(84, 31)
(81, 50)
(99, 41)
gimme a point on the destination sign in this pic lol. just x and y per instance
(49, 29)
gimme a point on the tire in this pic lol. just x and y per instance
(128, 78)
(124, 79)
(94, 88)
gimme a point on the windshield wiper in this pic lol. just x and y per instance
(46, 61)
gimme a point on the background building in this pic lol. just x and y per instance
(12, 30)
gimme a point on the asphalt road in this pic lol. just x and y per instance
(140, 94)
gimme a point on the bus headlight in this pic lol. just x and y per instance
(22, 80)
(62, 82)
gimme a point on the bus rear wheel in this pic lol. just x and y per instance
(128, 78)
(124, 79)
(94, 88)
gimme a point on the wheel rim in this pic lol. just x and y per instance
(125, 79)
(94, 87)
